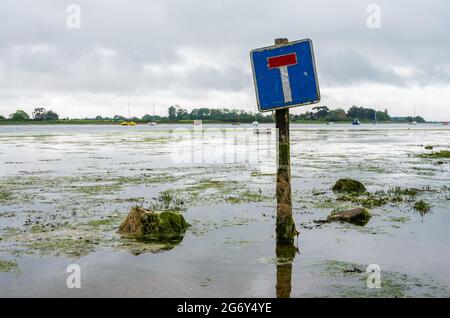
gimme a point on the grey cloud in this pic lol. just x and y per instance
(413, 35)
(349, 67)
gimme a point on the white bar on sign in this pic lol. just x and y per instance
(285, 84)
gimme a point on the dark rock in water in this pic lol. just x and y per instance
(349, 186)
(358, 216)
(153, 226)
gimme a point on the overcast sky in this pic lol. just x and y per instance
(196, 54)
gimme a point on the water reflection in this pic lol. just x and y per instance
(141, 246)
(285, 257)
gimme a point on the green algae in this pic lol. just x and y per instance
(207, 192)
(398, 219)
(350, 280)
(101, 228)
(66, 246)
(248, 196)
(317, 192)
(380, 198)
(8, 266)
(5, 196)
(261, 174)
(201, 228)
(103, 222)
(240, 243)
(368, 201)
(327, 203)
(203, 185)
(436, 155)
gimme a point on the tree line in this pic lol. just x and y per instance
(176, 113)
(323, 113)
(39, 114)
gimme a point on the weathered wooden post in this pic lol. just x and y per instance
(285, 76)
(285, 226)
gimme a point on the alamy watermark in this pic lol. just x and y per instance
(374, 278)
(254, 146)
(74, 278)
(374, 19)
(73, 20)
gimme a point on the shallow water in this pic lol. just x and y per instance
(58, 181)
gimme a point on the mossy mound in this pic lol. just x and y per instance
(358, 216)
(349, 186)
(154, 226)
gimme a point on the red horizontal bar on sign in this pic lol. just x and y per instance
(282, 60)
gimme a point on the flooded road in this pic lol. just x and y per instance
(64, 191)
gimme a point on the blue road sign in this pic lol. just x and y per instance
(285, 75)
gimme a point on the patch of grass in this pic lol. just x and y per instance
(429, 147)
(422, 207)
(167, 201)
(398, 191)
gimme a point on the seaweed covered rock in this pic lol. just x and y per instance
(358, 216)
(154, 226)
(349, 186)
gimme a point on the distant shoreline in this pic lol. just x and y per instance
(116, 123)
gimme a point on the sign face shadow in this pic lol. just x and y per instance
(285, 75)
